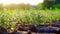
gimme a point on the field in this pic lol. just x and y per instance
(11, 17)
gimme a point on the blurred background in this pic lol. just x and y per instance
(28, 12)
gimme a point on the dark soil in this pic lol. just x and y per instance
(47, 28)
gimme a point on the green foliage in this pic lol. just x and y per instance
(31, 16)
(48, 3)
(40, 5)
(51, 4)
(56, 6)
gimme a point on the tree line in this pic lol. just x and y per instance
(47, 4)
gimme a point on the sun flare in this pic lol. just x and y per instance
(33, 2)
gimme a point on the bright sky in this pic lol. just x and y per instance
(33, 2)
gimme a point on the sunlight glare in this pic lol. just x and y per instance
(32, 2)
